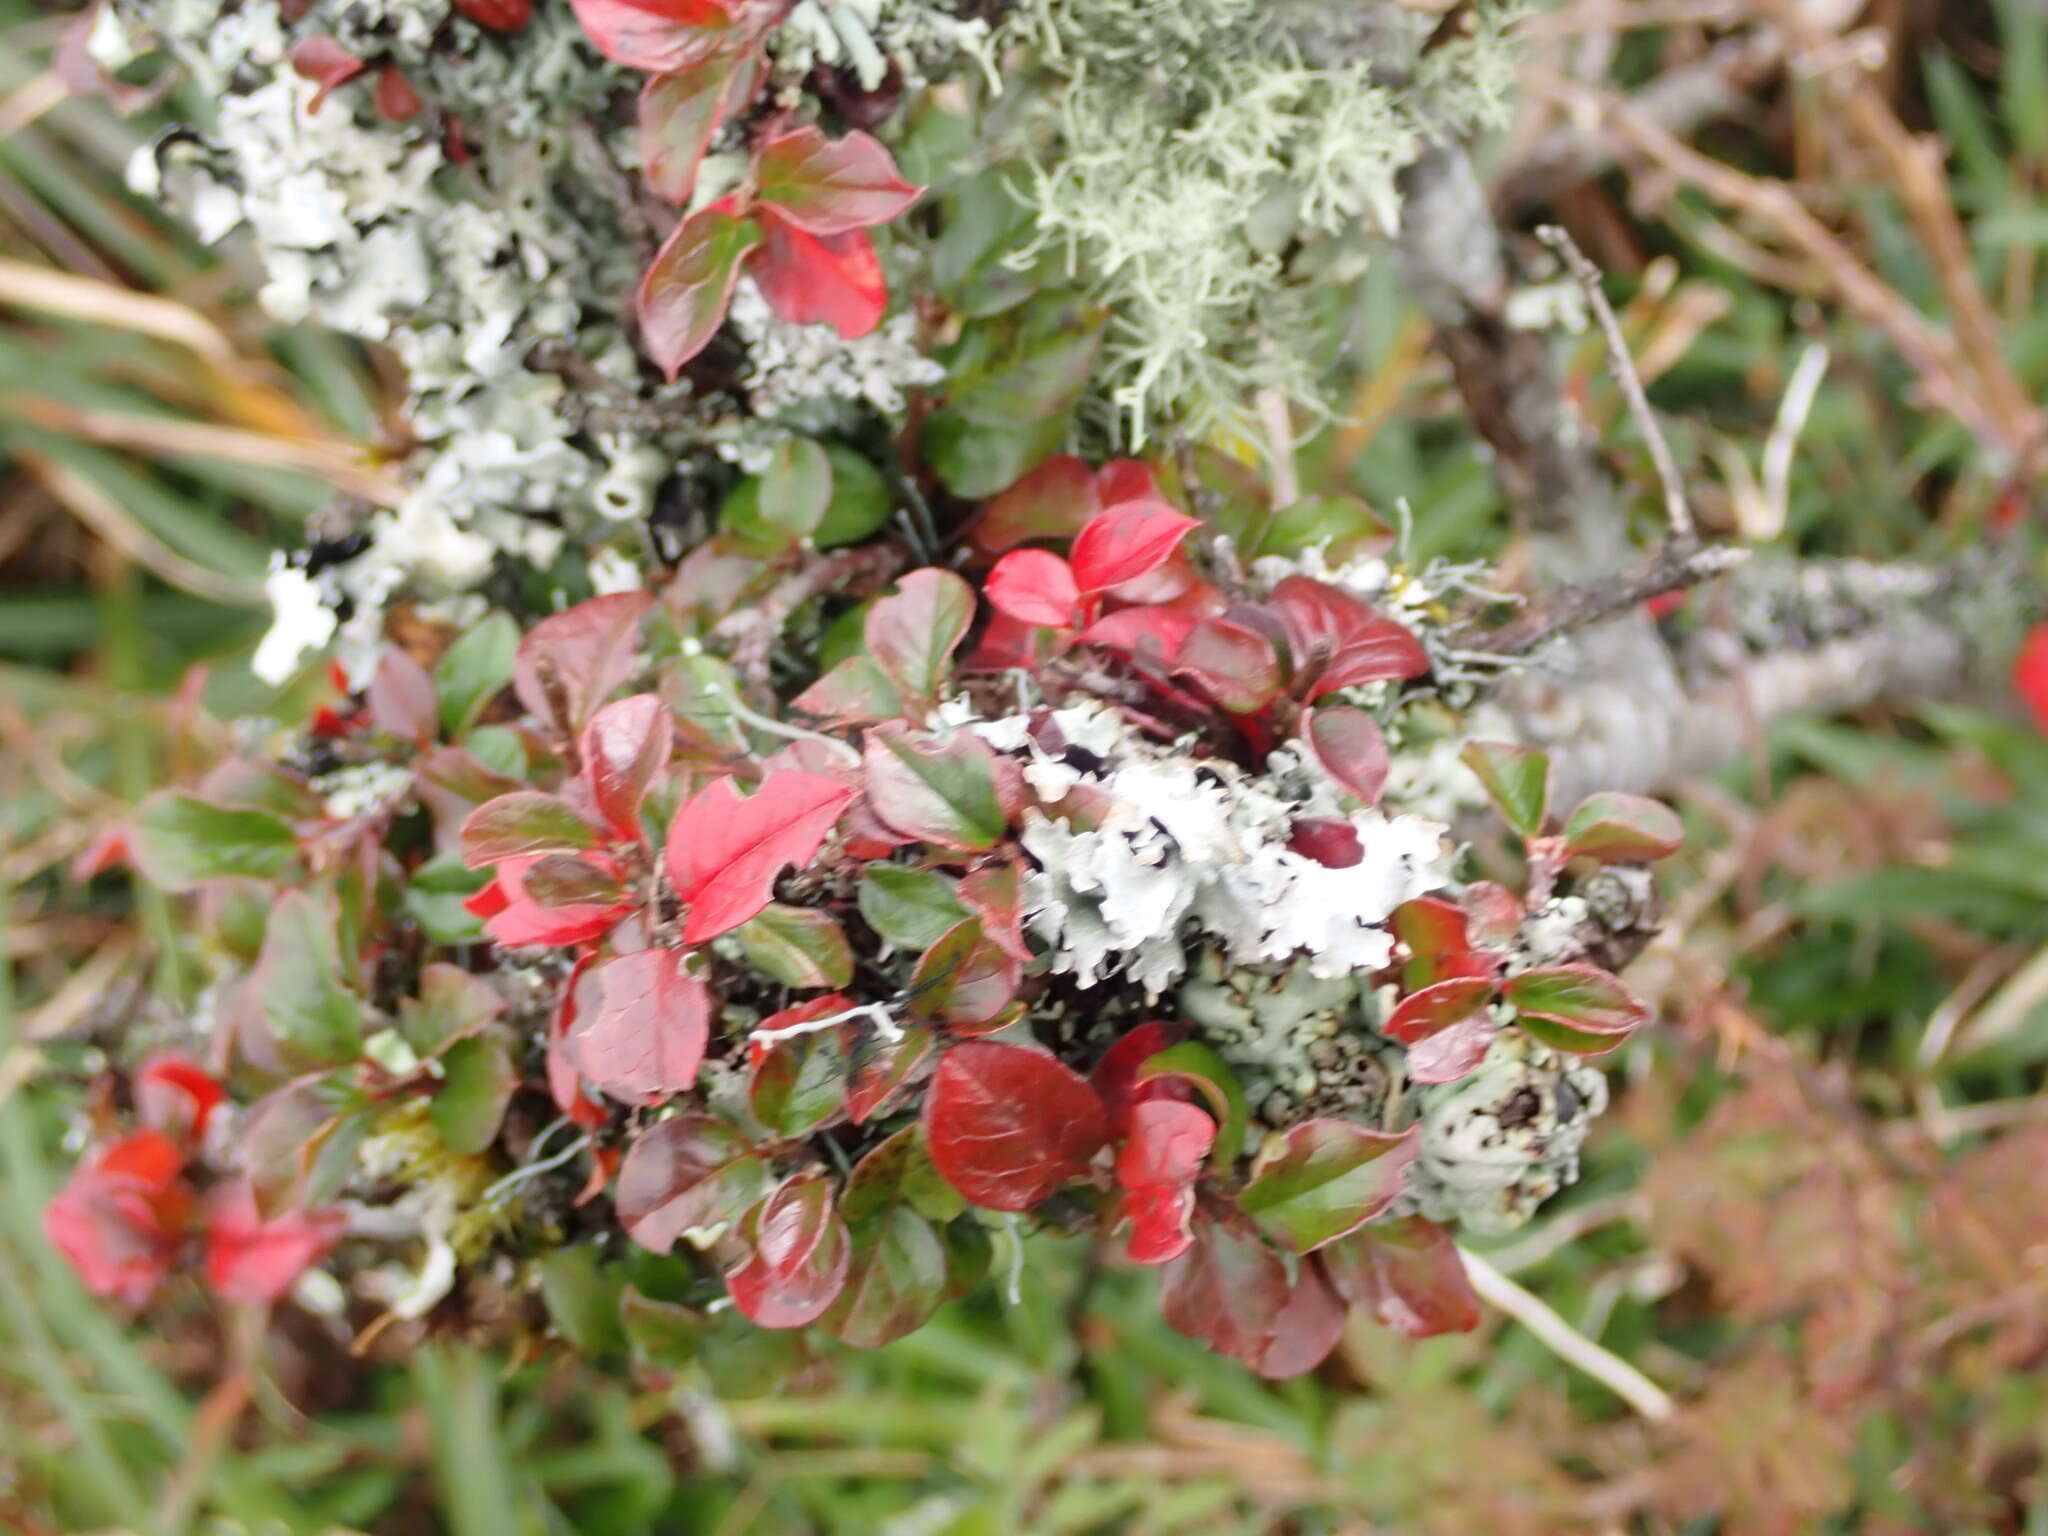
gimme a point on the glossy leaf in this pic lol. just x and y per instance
(1516, 779)
(912, 633)
(1622, 829)
(799, 1255)
(1208, 1074)
(1228, 1289)
(1234, 665)
(797, 946)
(1348, 746)
(1160, 1160)
(964, 980)
(724, 851)
(625, 746)
(1336, 641)
(524, 824)
(1008, 1125)
(688, 286)
(830, 186)
(910, 908)
(571, 662)
(1115, 1076)
(881, 1070)
(1446, 1026)
(1125, 542)
(809, 279)
(954, 791)
(678, 114)
(656, 35)
(799, 1083)
(995, 894)
(1034, 586)
(1326, 1177)
(1053, 501)
(895, 1281)
(645, 1037)
(691, 1177)
(1578, 1008)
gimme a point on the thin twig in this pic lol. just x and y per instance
(1671, 569)
(1567, 1343)
(1677, 511)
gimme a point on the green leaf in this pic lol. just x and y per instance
(663, 1334)
(797, 946)
(1517, 779)
(912, 633)
(910, 908)
(895, 1281)
(1212, 1077)
(860, 500)
(975, 459)
(785, 503)
(800, 1083)
(687, 287)
(469, 1106)
(1578, 1008)
(1324, 1179)
(953, 792)
(181, 841)
(523, 823)
(1616, 828)
(451, 1005)
(473, 671)
(298, 984)
(582, 1299)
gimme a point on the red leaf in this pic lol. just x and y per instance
(688, 286)
(254, 1262)
(625, 746)
(678, 114)
(1338, 642)
(119, 1219)
(800, 1255)
(1332, 844)
(881, 1070)
(1150, 633)
(1124, 543)
(912, 633)
(565, 1083)
(1617, 828)
(644, 1037)
(656, 35)
(1009, 1125)
(1157, 1168)
(326, 63)
(521, 920)
(175, 1095)
(964, 980)
(1125, 480)
(498, 15)
(1347, 745)
(1307, 1328)
(1227, 1289)
(1446, 1026)
(395, 99)
(724, 852)
(1053, 501)
(1235, 666)
(1035, 586)
(809, 279)
(1115, 1077)
(1407, 1275)
(1577, 1008)
(994, 893)
(830, 186)
(692, 1174)
(571, 662)
(2030, 675)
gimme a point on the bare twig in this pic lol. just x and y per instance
(1672, 568)
(1566, 1342)
(1677, 511)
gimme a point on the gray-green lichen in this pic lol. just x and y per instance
(1207, 160)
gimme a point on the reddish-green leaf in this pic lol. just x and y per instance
(1578, 1008)
(625, 746)
(1227, 1289)
(571, 662)
(853, 693)
(1446, 1026)
(1009, 1125)
(1115, 1076)
(1325, 1178)
(953, 792)
(881, 1069)
(645, 1037)
(895, 1282)
(1405, 1274)
(1616, 828)
(831, 186)
(657, 35)
(1234, 665)
(1053, 501)
(687, 287)
(680, 111)
(1348, 746)
(1517, 779)
(1208, 1074)
(692, 1176)
(1306, 1329)
(964, 980)
(181, 841)
(995, 894)
(524, 824)
(799, 1083)
(724, 852)
(913, 633)
(809, 279)
(799, 1255)
(797, 946)
(401, 698)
